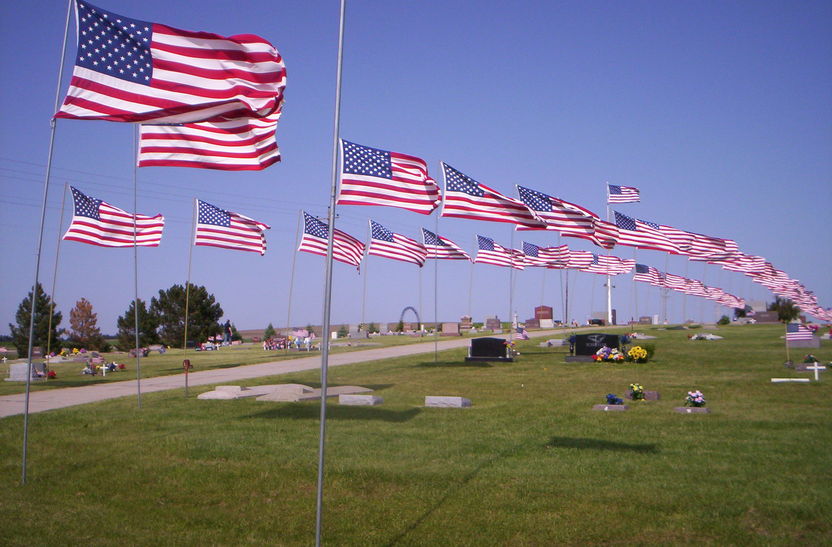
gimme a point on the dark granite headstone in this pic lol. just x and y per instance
(532, 323)
(589, 344)
(488, 349)
(645, 320)
(494, 324)
(813, 343)
(766, 317)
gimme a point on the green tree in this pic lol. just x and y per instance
(43, 334)
(83, 323)
(269, 332)
(204, 314)
(785, 308)
(148, 327)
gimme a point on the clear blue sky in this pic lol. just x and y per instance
(719, 112)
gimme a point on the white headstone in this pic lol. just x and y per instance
(359, 400)
(447, 402)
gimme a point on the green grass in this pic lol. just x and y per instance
(529, 464)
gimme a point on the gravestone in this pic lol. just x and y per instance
(692, 410)
(450, 329)
(18, 372)
(543, 312)
(648, 395)
(813, 343)
(547, 323)
(494, 324)
(359, 400)
(645, 320)
(532, 323)
(488, 349)
(447, 402)
(586, 345)
(765, 317)
(466, 322)
(611, 408)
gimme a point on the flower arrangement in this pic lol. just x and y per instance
(511, 346)
(637, 391)
(695, 398)
(51, 374)
(637, 354)
(613, 399)
(810, 359)
(608, 354)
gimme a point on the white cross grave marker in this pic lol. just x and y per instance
(816, 367)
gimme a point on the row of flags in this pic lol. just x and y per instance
(649, 274)
(209, 101)
(96, 222)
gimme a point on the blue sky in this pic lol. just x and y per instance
(718, 112)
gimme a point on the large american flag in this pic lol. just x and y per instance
(396, 246)
(99, 223)
(370, 176)
(489, 252)
(345, 248)
(622, 194)
(217, 227)
(243, 144)
(568, 218)
(439, 247)
(128, 70)
(647, 274)
(642, 234)
(467, 198)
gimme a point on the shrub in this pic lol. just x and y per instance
(723, 320)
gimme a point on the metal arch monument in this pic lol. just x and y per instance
(416, 313)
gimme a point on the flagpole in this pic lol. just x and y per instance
(470, 289)
(511, 288)
(136, 267)
(55, 274)
(328, 278)
(609, 277)
(664, 291)
(188, 282)
(292, 286)
(436, 299)
(366, 267)
(52, 128)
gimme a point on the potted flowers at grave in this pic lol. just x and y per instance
(694, 403)
(608, 355)
(637, 354)
(614, 403)
(637, 392)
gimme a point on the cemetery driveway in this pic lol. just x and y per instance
(50, 399)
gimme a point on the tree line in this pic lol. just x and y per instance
(160, 322)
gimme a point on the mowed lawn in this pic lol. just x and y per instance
(529, 464)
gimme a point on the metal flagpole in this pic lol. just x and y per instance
(609, 277)
(511, 290)
(364, 289)
(136, 268)
(421, 310)
(665, 291)
(685, 295)
(436, 299)
(188, 283)
(328, 278)
(292, 286)
(470, 289)
(55, 274)
(52, 127)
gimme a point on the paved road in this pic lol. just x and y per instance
(50, 399)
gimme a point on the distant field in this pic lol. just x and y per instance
(529, 464)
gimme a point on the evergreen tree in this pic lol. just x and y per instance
(204, 314)
(148, 327)
(43, 334)
(269, 332)
(83, 324)
(785, 308)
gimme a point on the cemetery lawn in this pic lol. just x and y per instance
(530, 463)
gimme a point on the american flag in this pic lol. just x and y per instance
(568, 218)
(370, 176)
(489, 252)
(217, 227)
(99, 223)
(622, 194)
(647, 274)
(698, 246)
(439, 247)
(467, 198)
(128, 70)
(675, 282)
(642, 234)
(579, 260)
(243, 144)
(798, 331)
(609, 265)
(345, 248)
(545, 256)
(743, 263)
(396, 246)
